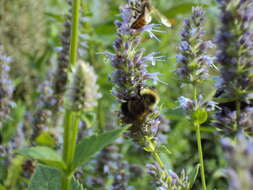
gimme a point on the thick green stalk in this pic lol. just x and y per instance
(66, 182)
(72, 140)
(71, 119)
(71, 122)
(74, 31)
(67, 124)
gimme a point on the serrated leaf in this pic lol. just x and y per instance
(45, 178)
(76, 185)
(43, 154)
(200, 116)
(91, 145)
(193, 174)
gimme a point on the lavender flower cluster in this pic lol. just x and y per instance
(53, 88)
(83, 90)
(130, 74)
(235, 46)
(239, 154)
(235, 55)
(61, 75)
(43, 114)
(193, 59)
(164, 180)
(6, 87)
(110, 164)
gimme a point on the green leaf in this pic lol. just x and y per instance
(200, 116)
(9, 129)
(193, 174)
(14, 171)
(45, 178)
(90, 145)
(76, 185)
(43, 154)
(89, 118)
(46, 139)
(163, 149)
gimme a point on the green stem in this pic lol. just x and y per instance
(151, 147)
(71, 119)
(238, 113)
(198, 136)
(66, 182)
(67, 124)
(74, 31)
(155, 155)
(71, 122)
(100, 116)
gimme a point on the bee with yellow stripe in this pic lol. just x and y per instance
(138, 108)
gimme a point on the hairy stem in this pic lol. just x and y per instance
(71, 119)
(74, 31)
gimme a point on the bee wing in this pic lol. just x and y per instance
(147, 15)
(164, 20)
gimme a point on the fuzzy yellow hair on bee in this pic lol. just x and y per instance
(150, 96)
(138, 108)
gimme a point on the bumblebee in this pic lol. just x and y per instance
(145, 17)
(138, 108)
